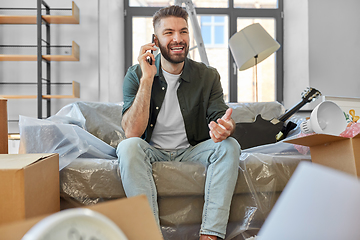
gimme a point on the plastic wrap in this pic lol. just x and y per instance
(85, 134)
(74, 132)
(351, 130)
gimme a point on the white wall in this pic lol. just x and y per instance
(334, 36)
(111, 50)
(99, 71)
(321, 45)
(296, 50)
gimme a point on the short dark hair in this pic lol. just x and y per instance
(174, 10)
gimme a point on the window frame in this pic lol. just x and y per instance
(232, 13)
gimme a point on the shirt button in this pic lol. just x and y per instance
(151, 125)
(157, 108)
(163, 88)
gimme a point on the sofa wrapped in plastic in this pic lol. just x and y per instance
(86, 134)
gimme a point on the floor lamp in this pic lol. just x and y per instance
(250, 46)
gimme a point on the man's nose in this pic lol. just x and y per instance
(177, 37)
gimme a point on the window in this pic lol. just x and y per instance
(213, 30)
(219, 20)
(265, 76)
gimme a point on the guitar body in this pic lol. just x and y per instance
(263, 132)
(260, 132)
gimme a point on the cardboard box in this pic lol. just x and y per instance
(132, 215)
(3, 127)
(333, 151)
(29, 186)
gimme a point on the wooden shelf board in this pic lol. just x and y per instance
(4, 19)
(75, 94)
(8, 57)
(53, 19)
(75, 56)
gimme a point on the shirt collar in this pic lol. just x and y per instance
(186, 71)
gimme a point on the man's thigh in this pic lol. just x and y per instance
(200, 152)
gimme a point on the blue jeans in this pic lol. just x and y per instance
(222, 160)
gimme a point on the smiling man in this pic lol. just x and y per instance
(174, 111)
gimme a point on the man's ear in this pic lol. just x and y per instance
(156, 41)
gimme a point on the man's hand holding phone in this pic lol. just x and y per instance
(149, 59)
(145, 57)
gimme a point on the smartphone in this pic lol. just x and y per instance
(152, 40)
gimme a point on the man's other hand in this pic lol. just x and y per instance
(223, 128)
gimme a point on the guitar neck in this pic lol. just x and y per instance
(293, 110)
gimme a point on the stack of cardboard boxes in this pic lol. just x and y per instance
(29, 192)
(29, 183)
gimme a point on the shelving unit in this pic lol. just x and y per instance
(39, 20)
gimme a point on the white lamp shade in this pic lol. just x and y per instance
(252, 41)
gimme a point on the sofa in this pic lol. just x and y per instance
(85, 134)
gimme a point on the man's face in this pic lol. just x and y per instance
(173, 39)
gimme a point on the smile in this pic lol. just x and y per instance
(177, 49)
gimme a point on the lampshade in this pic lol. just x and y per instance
(250, 42)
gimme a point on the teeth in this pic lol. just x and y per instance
(177, 48)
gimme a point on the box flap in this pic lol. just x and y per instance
(315, 139)
(19, 161)
(132, 215)
(357, 136)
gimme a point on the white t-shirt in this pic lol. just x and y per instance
(169, 132)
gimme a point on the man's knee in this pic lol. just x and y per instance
(129, 145)
(232, 145)
(129, 150)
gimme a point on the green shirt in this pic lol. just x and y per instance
(200, 97)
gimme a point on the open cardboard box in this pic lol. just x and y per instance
(3, 127)
(333, 151)
(29, 186)
(132, 215)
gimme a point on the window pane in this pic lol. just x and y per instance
(265, 70)
(218, 55)
(164, 3)
(142, 32)
(219, 34)
(255, 3)
(206, 34)
(211, 3)
(150, 3)
(219, 19)
(206, 19)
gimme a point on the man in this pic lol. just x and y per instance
(174, 111)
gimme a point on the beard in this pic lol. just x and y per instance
(174, 58)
